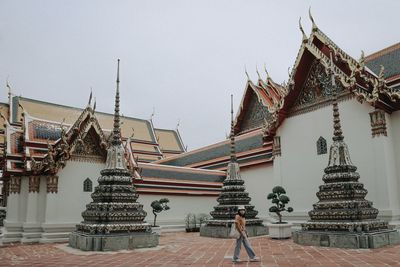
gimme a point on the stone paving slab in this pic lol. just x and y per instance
(189, 249)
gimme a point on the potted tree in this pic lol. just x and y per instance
(279, 200)
(193, 222)
(158, 206)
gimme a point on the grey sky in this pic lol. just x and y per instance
(183, 57)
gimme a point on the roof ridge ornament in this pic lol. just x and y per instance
(258, 74)
(94, 105)
(305, 39)
(266, 71)
(8, 87)
(362, 59)
(247, 74)
(90, 97)
(314, 26)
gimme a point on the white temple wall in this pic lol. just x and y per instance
(71, 199)
(180, 207)
(302, 169)
(259, 182)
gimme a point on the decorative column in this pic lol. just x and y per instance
(32, 228)
(384, 160)
(277, 153)
(13, 222)
(51, 210)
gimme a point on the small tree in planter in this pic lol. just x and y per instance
(191, 223)
(280, 200)
(159, 206)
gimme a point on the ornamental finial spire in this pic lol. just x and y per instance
(233, 151)
(305, 39)
(245, 71)
(117, 127)
(337, 133)
(314, 26)
(258, 74)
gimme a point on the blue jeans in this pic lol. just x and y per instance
(246, 245)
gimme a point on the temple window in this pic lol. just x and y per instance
(321, 146)
(87, 185)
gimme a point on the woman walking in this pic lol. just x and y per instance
(240, 223)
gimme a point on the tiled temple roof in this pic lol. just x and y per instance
(389, 58)
(249, 147)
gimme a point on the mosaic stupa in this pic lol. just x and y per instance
(233, 195)
(343, 217)
(114, 220)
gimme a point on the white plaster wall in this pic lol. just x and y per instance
(71, 200)
(259, 182)
(180, 207)
(302, 168)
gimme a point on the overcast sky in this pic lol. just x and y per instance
(184, 58)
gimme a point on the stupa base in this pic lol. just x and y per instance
(347, 240)
(113, 242)
(223, 231)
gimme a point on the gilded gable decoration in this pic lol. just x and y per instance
(15, 184)
(52, 184)
(34, 184)
(316, 90)
(378, 123)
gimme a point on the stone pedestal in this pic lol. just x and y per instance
(223, 231)
(347, 240)
(112, 242)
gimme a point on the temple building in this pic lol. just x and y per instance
(283, 130)
(52, 154)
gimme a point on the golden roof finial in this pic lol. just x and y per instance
(265, 69)
(258, 74)
(152, 114)
(94, 105)
(8, 87)
(305, 39)
(245, 71)
(90, 97)
(381, 72)
(362, 59)
(314, 26)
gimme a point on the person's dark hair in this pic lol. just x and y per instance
(241, 214)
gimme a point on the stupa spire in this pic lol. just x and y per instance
(117, 127)
(114, 219)
(232, 135)
(337, 132)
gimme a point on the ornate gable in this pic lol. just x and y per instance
(316, 91)
(89, 147)
(254, 114)
(84, 140)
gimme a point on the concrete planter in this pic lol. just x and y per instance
(156, 229)
(280, 230)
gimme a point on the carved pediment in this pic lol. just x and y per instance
(254, 114)
(316, 90)
(88, 146)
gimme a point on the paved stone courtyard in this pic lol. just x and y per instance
(189, 249)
